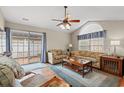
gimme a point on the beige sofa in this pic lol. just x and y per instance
(55, 56)
(93, 56)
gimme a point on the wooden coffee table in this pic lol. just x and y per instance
(81, 66)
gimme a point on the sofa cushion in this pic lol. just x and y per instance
(59, 52)
(83, 53)
(57, 57)
(91, 59)
(56, 52)
(75, 53)
(6, 76)
(88, 54)
(64, 56)
(87, 58)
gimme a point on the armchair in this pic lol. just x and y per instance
(55, 56)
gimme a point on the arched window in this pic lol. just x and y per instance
(92, 37)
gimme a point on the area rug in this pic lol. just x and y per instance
(92, 79)
(33, 66)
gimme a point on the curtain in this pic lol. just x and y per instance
(98, 34)
(44, 48)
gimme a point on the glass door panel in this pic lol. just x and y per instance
(19, 46)
(35, 47)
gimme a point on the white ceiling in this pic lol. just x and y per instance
(41, 16)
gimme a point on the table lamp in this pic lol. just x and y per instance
(70, 47)
(115, 43)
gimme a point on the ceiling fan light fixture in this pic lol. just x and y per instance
(66, 22)
(62, 26)
(67, 26)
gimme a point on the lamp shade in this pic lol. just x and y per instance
(70, 45)
(115, 42)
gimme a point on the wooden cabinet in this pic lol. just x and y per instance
(112, 65)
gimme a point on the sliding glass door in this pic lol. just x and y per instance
(26, 46)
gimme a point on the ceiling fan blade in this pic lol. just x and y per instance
(57, 20)
(69, 24)
(59, 24)
(74, 20)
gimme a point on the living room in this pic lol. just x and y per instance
(32, 37)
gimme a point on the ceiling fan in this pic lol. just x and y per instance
(66, 22)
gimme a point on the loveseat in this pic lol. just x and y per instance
(56, 56)
(93, 56)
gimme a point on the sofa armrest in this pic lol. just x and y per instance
(50, 57)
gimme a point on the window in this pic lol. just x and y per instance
(2, 42)
(92, 41)
(84, 44)
(97, 45)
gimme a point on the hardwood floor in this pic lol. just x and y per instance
(121, 83)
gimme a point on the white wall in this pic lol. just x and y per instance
(115, 31)
(90, 27)
(55, 39)
(1, 21)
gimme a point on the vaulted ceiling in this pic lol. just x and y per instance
(40, 16)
